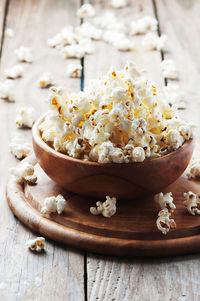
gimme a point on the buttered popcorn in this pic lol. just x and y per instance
(118, 118)
(107, 208)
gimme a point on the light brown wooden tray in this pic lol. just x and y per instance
(130, 232)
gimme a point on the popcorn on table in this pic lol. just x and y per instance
(7, 90)
(107, 208)
(118, 3)
(143, 25)
(174, 95)
(86, 10)
(153, 42)
(169, 69)
(73, 51)
(164, 222)
(24, 173)
(110, 21)
(46, 79)
(54, 204)
(165, 201)
(14, 72)
(74, 70)
(88, 30)
(25, 117)
(24, 54)
(37, 244)
(120, 117)
(192, 202)
(9, 32)
(18, 147)
(194, 169)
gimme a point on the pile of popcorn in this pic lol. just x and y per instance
(120, 117)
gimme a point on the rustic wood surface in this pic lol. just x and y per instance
(63, 273)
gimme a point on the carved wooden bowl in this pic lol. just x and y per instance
(125, 180)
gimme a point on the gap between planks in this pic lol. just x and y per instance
(4, 13)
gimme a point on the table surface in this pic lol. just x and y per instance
(63, 273)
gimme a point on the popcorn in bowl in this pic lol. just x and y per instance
(119, 118)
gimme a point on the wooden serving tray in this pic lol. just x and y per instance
(130, 232)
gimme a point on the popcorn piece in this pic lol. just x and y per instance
(169, 69)
(87, 30)
(107, 208)
(54, 204)
(46, 79)
(152, 42)
(164, 222)
(6, 90)
(19, 148)
(194, 169)
(14, 72)
(74, 70)
(9, 32)
(37, 244)
(174, 96)
(24, 173)
(138, 154)
(110, 21)
(143, 25)
(192, 202)
(25, 117)
(165, 201)
(73, 51)
(24, 54)
(86, 10)
(118, 3)
(124, 44)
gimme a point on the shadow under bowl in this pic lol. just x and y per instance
(124, 180)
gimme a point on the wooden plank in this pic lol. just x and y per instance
(58, 274)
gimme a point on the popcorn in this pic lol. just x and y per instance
(118, 118)
(46, 79)
(152, 42)
(118, 3)
(164, 222)
(65, 37)
(14, 72)
(143, 25)
(194, 169)
(37, 244)
(109, 21)
(9, 32)
(24, 173)
(192, 202)
(25, 117)
(87, 30)
(174, 96)
(18, 147)
(6, 90)
(169, 69)
(124, 45)
(165, 201)
(54, 204)
(24, 54)
(107, 208)
(86, 10)
(74, 70)
(73, 51)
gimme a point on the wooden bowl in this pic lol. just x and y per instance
(125, 180)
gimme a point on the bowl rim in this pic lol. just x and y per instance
(36, 135)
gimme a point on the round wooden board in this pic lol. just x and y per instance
(130, 232)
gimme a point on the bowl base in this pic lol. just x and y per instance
(130, 232)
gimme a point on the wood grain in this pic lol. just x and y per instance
(58, 274)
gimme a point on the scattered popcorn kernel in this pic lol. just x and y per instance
(118, 3)
(86, 10)
(194, 169)
(14, 72)
(143, 25)
(107, 208)
(74, 70)
(54, 204)
(174, 96)
(153, 42)
(7, 90)
(46, 79)
(73, 51)
(192, 202)
(87, 30)
(110, 21)
(24, 173)
(9, 32)
(169, 69)
(165, 201)
(18, 147)
(37, 244)
(24, 54)
(164, 222)
(25, 117)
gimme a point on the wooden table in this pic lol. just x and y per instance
(63, 273)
